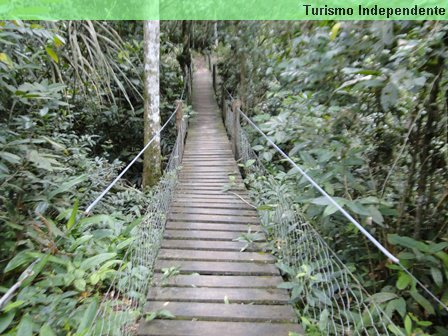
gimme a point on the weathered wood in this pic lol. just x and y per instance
(236, 104)
(213, 218)
(203, 235)
(204, 211)
(209, 245)
(219, 295)
(225, 312)
(219, 267)
(201, 239)
(208, 328)
(241, 228)
(167, 254)
(213, 281)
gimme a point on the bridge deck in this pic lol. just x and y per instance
(219, 289)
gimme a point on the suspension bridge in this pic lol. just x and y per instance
(210, 257)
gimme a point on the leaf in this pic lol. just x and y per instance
(408, 325)
(329, 210)
(422, 301)
(437, 276)
(9, 157)
(4, 58)
(88, 317)
(166, 314)
(403, 281)
(383, 297)
(25, 327)
(323, 320)
(36, 270)
(46, 330)
(80, 284)
(97, 260)
(5, 320)
(12, 305)
(335, 31)
(409, 242)
(226, 299)
(39, 161)
(72, 219)
(52, 54)
(18, 260)
(67, 186)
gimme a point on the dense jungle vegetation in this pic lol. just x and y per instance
(362, 106)
(71, 115)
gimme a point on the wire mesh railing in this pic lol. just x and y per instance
(329, 296)
(122, 304)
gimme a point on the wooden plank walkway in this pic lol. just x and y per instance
(219, 289)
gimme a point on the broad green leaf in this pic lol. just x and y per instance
(409, 242)
(422, 301)
(26, 326)
(403, 281)
(52, 54)
(67, 186)
(9, 157)
(88, 317)
(5, 320)
(97, 260)
(383, 297)
(36, 270)
(13, 305)
(323, 320)
(437, 276)
(19, 259)
(46, 330)
(329, 210)
(80, 284)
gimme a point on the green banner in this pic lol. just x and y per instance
(223, 10)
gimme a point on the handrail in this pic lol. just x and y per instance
(29, 270)
(372, 239)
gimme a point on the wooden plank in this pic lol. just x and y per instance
(204, 235)
(203, 211)
(219, 295)
(168, 254)
(225, 312)
(235, 281)
(213, 227)
(209, 328)
(210, 205)
(210, 245)
(218, 267)
(213, 218)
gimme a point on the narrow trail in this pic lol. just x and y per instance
(219, 289)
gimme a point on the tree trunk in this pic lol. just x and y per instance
(152, 156)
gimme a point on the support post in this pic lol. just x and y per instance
(236, 104)
(223, 102)
(179, 117)
(214, 77)
(179, 114)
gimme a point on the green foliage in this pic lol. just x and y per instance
(361, 107)
(70, 115)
